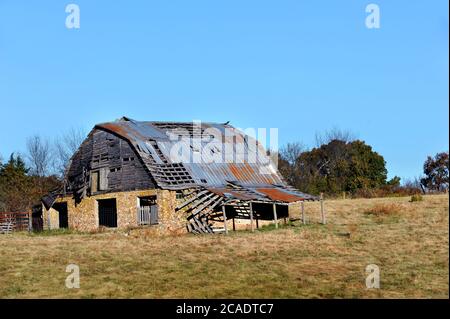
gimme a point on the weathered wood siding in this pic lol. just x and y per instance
(120, 168)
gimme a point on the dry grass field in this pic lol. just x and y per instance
(407, 240)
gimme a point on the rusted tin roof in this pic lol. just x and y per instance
(157, 144)
(281, 195)
(271, 194)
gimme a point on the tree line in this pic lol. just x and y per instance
(338, 163)
(25, 178)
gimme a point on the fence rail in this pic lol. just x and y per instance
(10, 222)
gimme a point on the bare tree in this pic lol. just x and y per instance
(38, 155)
(65, 146)
(288, 158)
(292, 151)
(334, 134)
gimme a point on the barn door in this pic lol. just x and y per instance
(147, 211)
(154, 215)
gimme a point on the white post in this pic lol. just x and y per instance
(275, 215)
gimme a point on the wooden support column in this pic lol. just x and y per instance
(30, 221)
(225, 219)
(251, 217)
(275, 217)
(303, 212)
(322, 211)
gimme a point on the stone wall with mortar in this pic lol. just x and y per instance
(84, 215)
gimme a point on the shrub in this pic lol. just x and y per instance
(380, 210)
(416, 198)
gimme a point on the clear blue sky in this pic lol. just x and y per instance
(299, 66)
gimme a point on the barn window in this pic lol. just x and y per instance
(99, 180)
(107, 212)
(103, 178)
(147, 211)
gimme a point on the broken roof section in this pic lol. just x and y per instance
(209, 155)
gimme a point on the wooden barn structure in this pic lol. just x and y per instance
(179, 176)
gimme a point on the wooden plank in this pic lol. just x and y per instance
(322, 211)
(191, 200)
(225, 219)
(205, 205)
(251, 217)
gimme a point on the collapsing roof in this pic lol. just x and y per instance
(212, 156)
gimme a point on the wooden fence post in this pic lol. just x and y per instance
(30, 221)
(303, 212)
(224, 219)
(322, 211)
(251, 217)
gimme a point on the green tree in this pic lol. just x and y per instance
(339, 166)
(18, 189)
(436, 172)
(15, 185)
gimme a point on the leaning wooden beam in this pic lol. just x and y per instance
(275, 217)
(199, 226)
(211, 207)
(190, 200)
(251, 217)
(202, 207)
(225, 219)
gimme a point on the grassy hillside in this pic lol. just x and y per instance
(407, 240)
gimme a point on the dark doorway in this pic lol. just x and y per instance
(107, 212)
(37, 223)
(62, 214)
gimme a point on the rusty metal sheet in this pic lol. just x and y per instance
(225, 192)
(211, 174)
(278, 194)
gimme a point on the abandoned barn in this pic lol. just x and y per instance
(179, 177)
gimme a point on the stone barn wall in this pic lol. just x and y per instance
(84, 215)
